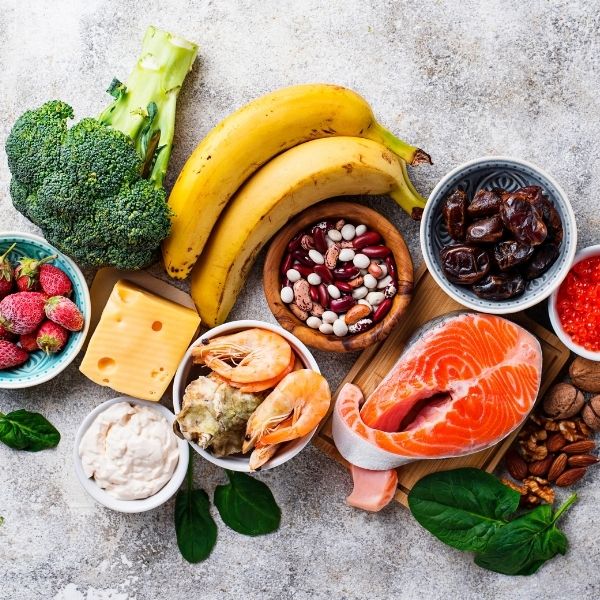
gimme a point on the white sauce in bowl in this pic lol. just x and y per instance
(130, 451)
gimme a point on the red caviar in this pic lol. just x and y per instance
(578, 303)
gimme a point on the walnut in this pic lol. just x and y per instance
(574, 430)
(538, 490)
(533, 447)
(563, 401)
(514, 486)
(591, 413)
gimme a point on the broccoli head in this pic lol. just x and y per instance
(95, 189)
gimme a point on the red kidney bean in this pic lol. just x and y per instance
(323, 295)
(324, 273)
(391, 265)
(370, 238)
(287, 264)
(343, 286)
(342, 304)
(320, 241)
(376, 251)
(346, 273)
(294, 243)
(382, 310)
(302, 258)
(314, 293)
(304, 271)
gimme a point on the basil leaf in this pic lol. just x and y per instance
(522, 546)
(247, 505)
(24, 430)
(194, 526)
(463, 508)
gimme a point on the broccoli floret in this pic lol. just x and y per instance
(96, 189)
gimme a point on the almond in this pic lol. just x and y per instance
(582, 447)
(356, 313)
(558, 466)
(555, 442)
(570, 476)
(539, 468)
(582, 460)
(516, 466)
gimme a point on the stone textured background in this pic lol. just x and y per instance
(461, 79)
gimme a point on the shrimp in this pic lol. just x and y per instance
(260, 455)
(261, 386)
(304, 395)
(247, 356)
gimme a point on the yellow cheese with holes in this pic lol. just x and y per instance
(139, 342)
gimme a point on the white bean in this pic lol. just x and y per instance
(384, 282)
(340, 328)
(333, 291)
(334, 235)
(316, 256)
(293, 275)
(287, 294)
(313, 322)
(329, 317)
(384, 269)
(370, 281)
(360, 292)
(346, 254)
(360, 229)
(375, 298)
(348, 231)
(362, 261)
(326, 328)
(313, 279)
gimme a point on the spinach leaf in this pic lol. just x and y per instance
(522, 546)
(247, 505)
(195, 528)
(24, 430)
(463, 508)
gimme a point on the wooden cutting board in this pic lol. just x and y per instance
(430, 301)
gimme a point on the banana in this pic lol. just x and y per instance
(250, 137)
(306, 174)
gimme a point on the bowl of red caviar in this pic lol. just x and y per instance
(574, 306)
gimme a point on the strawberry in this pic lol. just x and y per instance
(63, 311)
(7, 335)
(22, 312)
(28, 341)
(51, 337)
(27, 272)
(6, 274)
(11, 355)
(54, 281)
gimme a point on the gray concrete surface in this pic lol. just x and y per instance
(461, 79)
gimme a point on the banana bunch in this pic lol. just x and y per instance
(227, 205)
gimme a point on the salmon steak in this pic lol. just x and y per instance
(463, 383)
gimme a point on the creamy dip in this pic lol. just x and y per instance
(130, 451)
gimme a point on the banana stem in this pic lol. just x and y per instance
(411, 154)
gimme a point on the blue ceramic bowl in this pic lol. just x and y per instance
(487, 173)
(41, 367)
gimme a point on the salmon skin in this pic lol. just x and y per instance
(463, 383)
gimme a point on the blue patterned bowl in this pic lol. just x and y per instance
(41, 367)
(487, 173)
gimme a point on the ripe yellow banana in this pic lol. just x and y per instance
(294, 180)
(250, 137)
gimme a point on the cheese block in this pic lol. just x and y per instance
(138, 342)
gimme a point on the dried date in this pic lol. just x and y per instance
(454, 212)
(464, 264)
(485, 203)
(510, 254)
(543, 258)
(500, 287)
(522, 218)
(485, 230)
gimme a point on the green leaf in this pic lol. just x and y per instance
(247, 505)
(525, 544)
(195, 528)
(24, 430)
(463, 508)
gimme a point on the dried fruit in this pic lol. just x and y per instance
(555, 442)
(562, 401)
(591, 413)
(543, 258)
(582, 447)
(485, 203)
(500, 287)
(585, 374)
(570, 476)
(558, 467)
(454, 211)
(515, 465)
(464, 264)
(522, 218)
(509, 254)
(540, 468)
(486, 230)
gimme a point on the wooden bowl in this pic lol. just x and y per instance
(355, 213)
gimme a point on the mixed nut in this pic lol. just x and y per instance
(555, 448)
(338, 277)
(502, 240)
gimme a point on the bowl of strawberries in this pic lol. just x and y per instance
(44, 310)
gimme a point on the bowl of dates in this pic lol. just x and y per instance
(498, 234)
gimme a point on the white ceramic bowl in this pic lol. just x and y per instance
(182, 378)
(131, 506)
(565, 338)
(486, 173)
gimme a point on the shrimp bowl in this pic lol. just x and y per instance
(249, 395)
